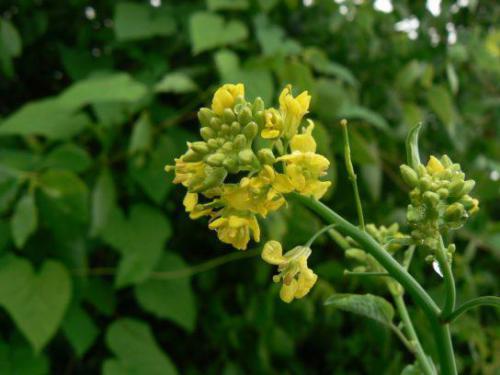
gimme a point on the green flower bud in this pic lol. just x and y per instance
(425, 183)
(199, 147)
(409, 175)
(191, 156)
(456, 188)
(240, 141)
(443, 193)
(246, 156)
(213, 143)
(235, 127)
(455, 213)
(467, 202)
(452, 248)
(245, 116)
(214, 177)
(431, 198)
(231, 164)
(228, 116)
(266, 156)
(468, 186)
(446, 161)
(228, 146)
(259, 118)
(207, 133)
(215, 123)
(250, 130)
(205, 115)
(258, 105)
(216, 159)
(356, 254)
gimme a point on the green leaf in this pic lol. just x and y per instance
(103, 201)
(440, 101)
(68, 156)
(35, 301)
(319, 62)
(136, 350)
(367, 305)
(10, 40)
(227, 4)
(101, 295)
(18, 358)
(273, 39)
(25, 220)
(208, 30)
(141, 137)
(79, 329)
(351, 111)
(140, 239)
(8, 191)
(169, 298)
(140, 21)
(176, 82)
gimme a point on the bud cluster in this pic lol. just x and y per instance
(439, 199)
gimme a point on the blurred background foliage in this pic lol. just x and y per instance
(100, 268)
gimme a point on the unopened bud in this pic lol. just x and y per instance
(240, 141)
(231, 164)
(250, 130)
(215, 160)
(246, 156)
(215, 123)
(215, 177)
(258, 105)
(207, 133)
(191, 156)
(456, 188)
(431, 198)
(468, 186)
(228, 116)
(228, 146)
(205, 115)
(200, 147)
(266, 156)
(455, 212)
(245, 116)
(235, 127)
(409, 175)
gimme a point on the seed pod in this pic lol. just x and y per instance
(205, 115)
(245, 116)
(200, 147)
(266, 156)
(409, 175)
(207, 133)
(251, 130)
(216, 159)
(228, 116)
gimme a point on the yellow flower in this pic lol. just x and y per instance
(195, 210)
(189, 174)
(225, 97)
(297, 277)
(293, 109)
(434, 165)
(304, 142)
(236, 230)
(273, 127)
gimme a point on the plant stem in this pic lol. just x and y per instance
(352, 175)
(319, 233)
(479, 301)
(412, 334)
(449, 282)
(441, 331)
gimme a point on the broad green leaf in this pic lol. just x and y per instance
(101, 295)
(169, 297)
(141, 137)
(330, 97)
(68, 156)
(273, 40)
(176, 82)
(319, 62)
(36, 301)
(116, 87)
(351, 111)
(367, 305)
(209, 30)
(227, 4)
(79, 329)
(441, 103)
(140, 21)
(25, 220)
(47, 117)
(18, 358)
(10, 40)
(136, 350)
(9, 187)
(140, 239)
(103, 201)
(151, 176)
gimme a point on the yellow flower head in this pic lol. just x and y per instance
(189, 174)
(273, 126)
(304, 142)
(195, 210)
(236, 230)
(434, 165)
(293, 109)
(297, 277)
(225, 97)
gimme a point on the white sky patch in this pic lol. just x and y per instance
(384, 6)
(155, 3)
(409, 26)
(90, 13)
(434, 6)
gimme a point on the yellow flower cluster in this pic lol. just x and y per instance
(282, 161)
(297, 277)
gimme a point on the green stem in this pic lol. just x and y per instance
(412, 335)
(319, 233)
(352, 175)
(429, 307)
(449, 282)
(480, 301)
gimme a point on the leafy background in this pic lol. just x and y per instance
(101, 270)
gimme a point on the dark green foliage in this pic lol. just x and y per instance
(94, 245)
